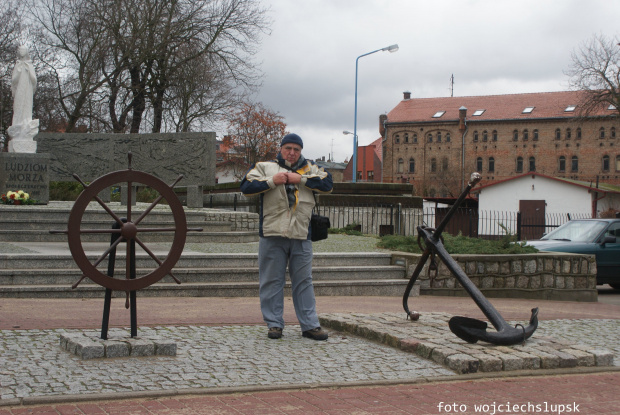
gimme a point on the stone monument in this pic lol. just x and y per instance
(23, 86)
(22, 168)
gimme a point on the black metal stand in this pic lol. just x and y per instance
(131, 296)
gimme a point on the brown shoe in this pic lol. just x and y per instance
(274, 332)
(316, 334)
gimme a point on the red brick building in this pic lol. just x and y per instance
(369, 165)
(436, 143)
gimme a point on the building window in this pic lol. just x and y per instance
(601, 132)
(444, 164)
(491, 164)
(532, 163)
(478, 113)
(574, 164)
(519, 167)
(605, 163)
(617, 163)
(415, 138)
(528, 110)
(430, 138)
(406, 137)
(568, 133)
(475, 136)
(526, 135)
(612, 132)
(397, 138)
(562, 164)
(485, 136)
(438, 114)
(535, 135)
(433, 165)
(447, 137)
(371, 176)
(558, 134)
(401, 164)
(439, 136)
(479, 164)
(411, 165)
(578, 133)
(515, 135)
(494, 135)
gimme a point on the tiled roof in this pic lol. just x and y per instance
(496, 107)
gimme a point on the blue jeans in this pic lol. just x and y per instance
(274, 254)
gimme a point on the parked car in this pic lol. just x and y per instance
(599, 237)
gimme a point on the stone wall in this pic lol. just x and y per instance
(549, 276)
(165, 155)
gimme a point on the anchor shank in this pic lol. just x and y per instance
(485, 306)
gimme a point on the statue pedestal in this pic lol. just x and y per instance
(28, 172)
(22, 146)
(22, 137)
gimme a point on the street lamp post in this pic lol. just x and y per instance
(391, 49)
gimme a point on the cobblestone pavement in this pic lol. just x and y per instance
(554, 345)
(32, 363)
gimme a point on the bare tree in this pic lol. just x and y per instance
(73, 46)
(156, 43)
(254, 133)
(595, 70)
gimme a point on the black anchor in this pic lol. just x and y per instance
(468, 329)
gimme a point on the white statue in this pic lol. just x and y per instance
(23, 86)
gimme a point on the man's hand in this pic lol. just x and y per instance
(293, 178)
(280, 178)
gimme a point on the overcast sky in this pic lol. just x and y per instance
(491, 46)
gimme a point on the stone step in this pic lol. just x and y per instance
(394, 287)
(22, 262)
(192, 237)
(45, 225)
(68, 277)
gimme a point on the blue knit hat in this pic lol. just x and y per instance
(292, 138)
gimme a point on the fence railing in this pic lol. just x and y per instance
(384, 219)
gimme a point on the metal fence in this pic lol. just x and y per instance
(384, 219)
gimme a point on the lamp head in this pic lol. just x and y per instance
(392, 48)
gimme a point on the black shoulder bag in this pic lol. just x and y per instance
(319, 225)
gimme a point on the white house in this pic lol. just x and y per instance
(536, 195)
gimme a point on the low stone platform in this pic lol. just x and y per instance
(90, 346)
(430, 337)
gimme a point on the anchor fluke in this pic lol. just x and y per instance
(472, 330)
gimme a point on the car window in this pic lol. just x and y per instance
(577, 231)
(613, 230)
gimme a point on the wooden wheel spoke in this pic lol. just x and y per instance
(157, 229)
(148, 210)
(107, 209)
(152, 255)
(107, 251)
(129, 192)
(100, 231)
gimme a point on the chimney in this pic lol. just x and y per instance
(406, 95)
(382, 121)
(462, 116)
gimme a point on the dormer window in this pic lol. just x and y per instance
(570, 108)
(438, 114)
(528, 110)
(478, 113)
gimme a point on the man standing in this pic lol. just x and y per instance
(286, 187)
